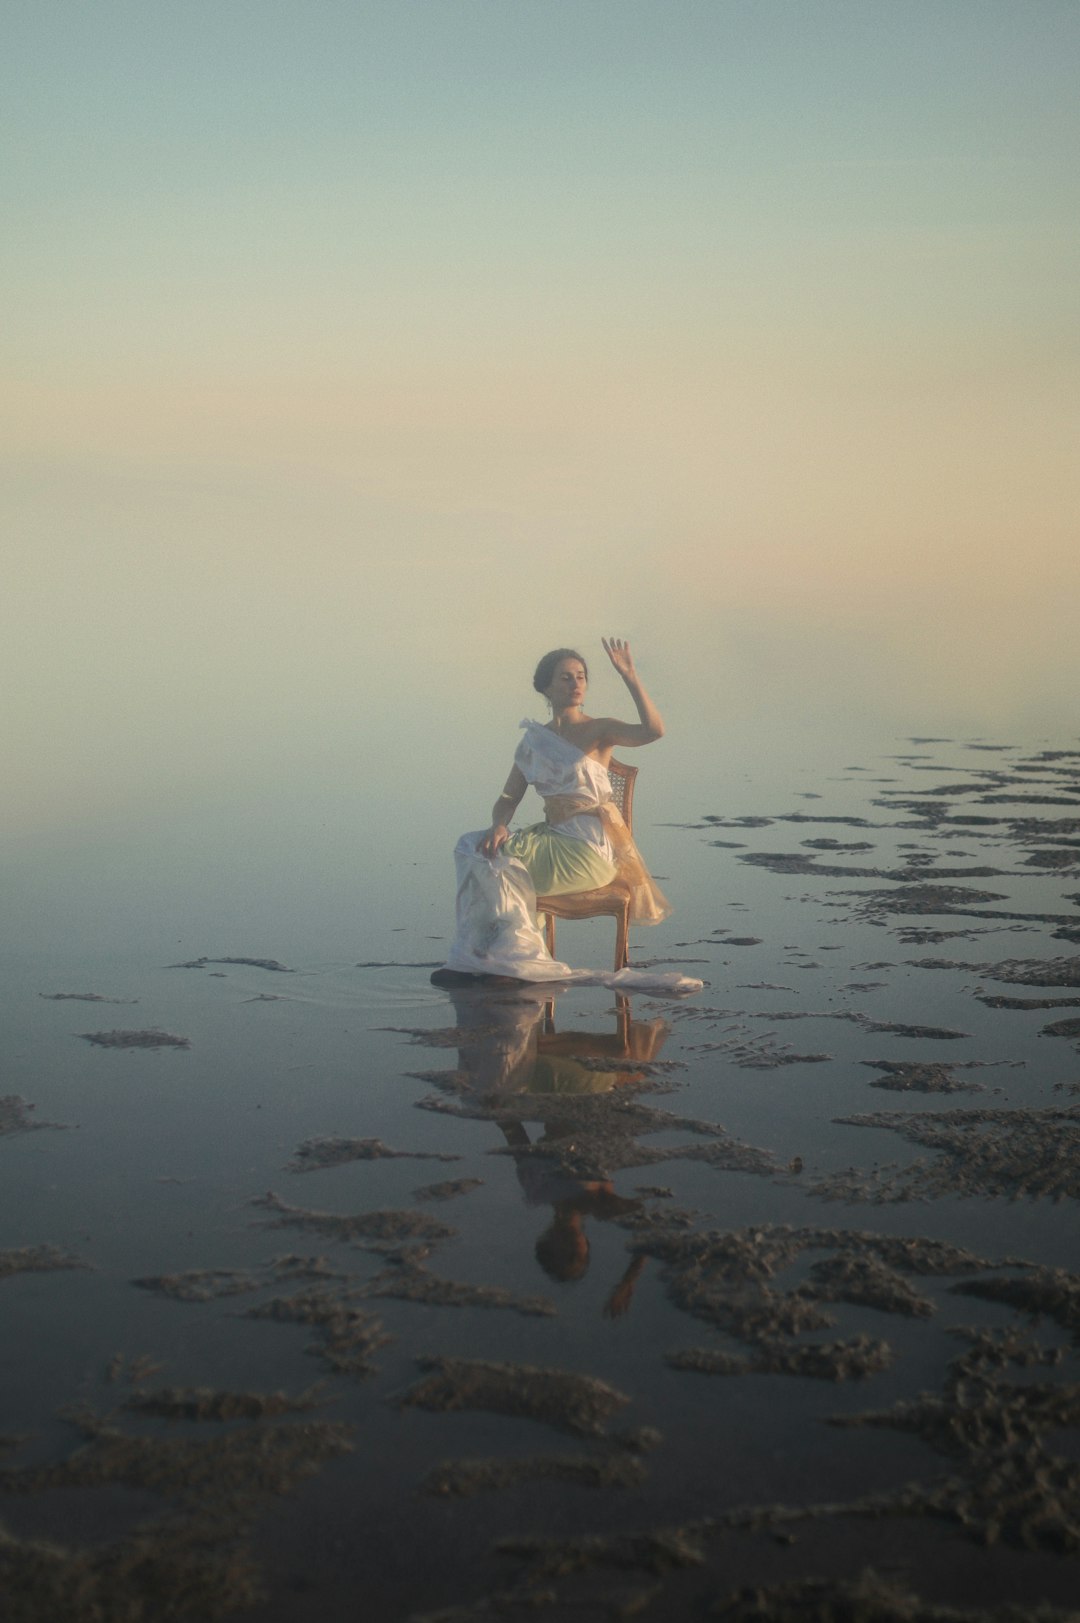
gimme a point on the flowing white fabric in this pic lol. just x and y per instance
(497, 928)
(554, 766)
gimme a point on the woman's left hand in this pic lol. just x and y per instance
(620, 656)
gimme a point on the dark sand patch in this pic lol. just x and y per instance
(349, 1336)
(212, 1403)
(451, 1189)
(579, 1404)
(838, 845)
(901, 1077)
(753, 1051)
(994, 1000)
(37, 1259)
(252, 963)
(1062, 1028)
(818, 817)
(316, 1153)
(1050, 1293)
(918, 898)
(1014, 1154)
(416, 1284)
(728, 1277)
(1055, 859)
(209, 1284)
(866, 1281)
(621, 1065)
(294, 1266)
(358, 1227)
(15, 1117)
(726, 1156)
(463, 1479)
(1004, 1488)
(911, 936)
(133, 1370)
(189, 1566)
(933, 1033)
(640, 1220)
(1032, 972)
(149, 1038)
(914, 876)
(871, 1597)
(1010, 1489)
(797, 862)
(201, 1284)
(1028, 800)
(821, 1361)
(84, 997)
(709, 820)
(181, 1571)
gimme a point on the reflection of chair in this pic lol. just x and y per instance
(609, 900)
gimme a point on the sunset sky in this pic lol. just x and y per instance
(357, 353)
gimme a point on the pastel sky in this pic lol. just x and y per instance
(356, 353)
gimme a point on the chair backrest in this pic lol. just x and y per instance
(622, 789)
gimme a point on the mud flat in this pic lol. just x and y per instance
(607, 1307)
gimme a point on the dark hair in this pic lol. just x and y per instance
(544, 674)
(563, 1251)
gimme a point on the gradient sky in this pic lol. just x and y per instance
(356, 353)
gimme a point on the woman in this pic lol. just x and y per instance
(582, 844)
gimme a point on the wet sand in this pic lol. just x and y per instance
(330, 1293)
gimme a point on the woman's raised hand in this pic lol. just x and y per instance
(620, 656)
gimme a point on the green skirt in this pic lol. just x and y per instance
(558, 863)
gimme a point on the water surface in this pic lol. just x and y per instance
(800, 1226)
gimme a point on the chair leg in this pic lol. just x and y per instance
(549, 932)
(622, 932)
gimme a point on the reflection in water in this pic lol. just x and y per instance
(509, 1044)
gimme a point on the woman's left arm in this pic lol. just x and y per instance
(651, 725)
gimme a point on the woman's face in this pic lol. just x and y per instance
(568, 684)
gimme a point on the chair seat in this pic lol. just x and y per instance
(582, 904)
(609, 901)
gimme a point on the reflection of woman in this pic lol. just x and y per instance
(517, 1067)
(562, 1250)
(563, 1066)
(582, 844)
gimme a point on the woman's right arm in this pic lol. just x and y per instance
(502, 811)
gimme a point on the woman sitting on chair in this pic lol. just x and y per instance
(583, 844)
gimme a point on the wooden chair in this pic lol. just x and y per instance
(609, 900)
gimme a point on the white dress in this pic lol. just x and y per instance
(497, 928)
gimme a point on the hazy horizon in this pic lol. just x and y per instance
(363, 352)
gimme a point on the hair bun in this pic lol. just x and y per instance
(545, 671)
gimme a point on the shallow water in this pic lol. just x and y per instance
(840, 1076)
